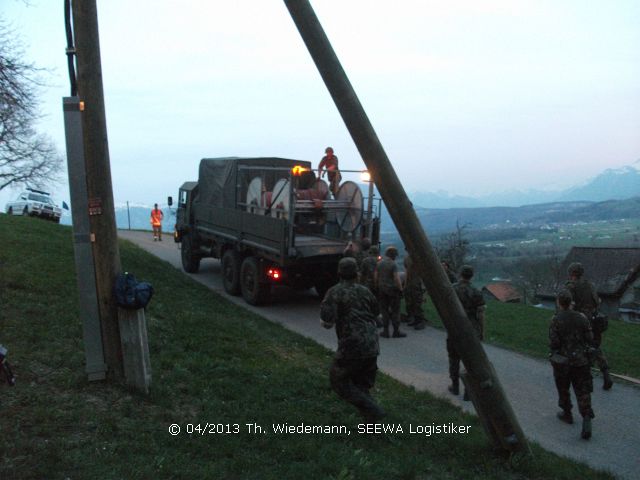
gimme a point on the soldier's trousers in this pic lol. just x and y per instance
(390, 309)
(352, 379)
(600, 359)
(580, 378)
(413, 299)
(454, 361)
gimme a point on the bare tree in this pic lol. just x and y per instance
(454, 247)
(26, 156)
(535, 274)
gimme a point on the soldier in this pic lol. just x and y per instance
(330, 163)
(368, 269)
(413, 295)
(389, 287)
(352, 308)
(358, 250)
(586, 301)
(473, 304)
(363, 252)
(450, 275)
(569, 341)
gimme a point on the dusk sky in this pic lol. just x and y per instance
(466, 96)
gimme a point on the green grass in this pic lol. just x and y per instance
(212, 362)
(525, 329)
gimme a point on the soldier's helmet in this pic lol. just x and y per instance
(348, 268)
(365, 243)
(466, 271)
(576, 268)
(391, 252)
(374, 251)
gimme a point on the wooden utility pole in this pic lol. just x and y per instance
(487, 394)
(99, 190)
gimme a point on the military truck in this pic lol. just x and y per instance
(271, 222)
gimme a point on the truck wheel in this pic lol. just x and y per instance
(190, 261)
(253, 290)
(231, 272)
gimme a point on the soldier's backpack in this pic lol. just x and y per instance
(130, 293)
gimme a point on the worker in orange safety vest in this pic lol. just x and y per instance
(156, 223)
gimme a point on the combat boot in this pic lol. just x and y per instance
(608, 383)
(454, 388)
(586, 428)
(566, 416)
(385, 332)
(398, 334)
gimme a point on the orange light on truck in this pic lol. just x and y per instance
(298, 170)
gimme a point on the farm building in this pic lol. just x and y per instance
(615, 271)
(503, 292)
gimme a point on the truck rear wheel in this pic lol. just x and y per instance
(231, 272)
(253, 290)
(190, 261)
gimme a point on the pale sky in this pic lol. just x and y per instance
(466, 96)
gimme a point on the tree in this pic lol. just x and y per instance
(454, 247)
(534, 274)
(26, 156)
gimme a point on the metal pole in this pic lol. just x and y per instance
(486, 392)
(128, 215)
(99, 190)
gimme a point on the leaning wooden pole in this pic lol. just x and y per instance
(487, 394)
(104, 236)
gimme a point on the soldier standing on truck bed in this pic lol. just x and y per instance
(330, 163)
(586, 301)
(352, 309)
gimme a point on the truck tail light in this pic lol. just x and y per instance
(274, 274)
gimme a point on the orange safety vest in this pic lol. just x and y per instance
(156, 217)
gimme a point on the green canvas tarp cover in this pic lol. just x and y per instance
(218, 177)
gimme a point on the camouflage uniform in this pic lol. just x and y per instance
(413, 295)
(388, 294)
(368, 269)
(352, 308)
(471, 299)
(586, 301)
(570, 336)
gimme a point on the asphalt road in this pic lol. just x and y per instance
(420, 360)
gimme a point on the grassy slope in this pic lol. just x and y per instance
(212, 362)
(526, 329)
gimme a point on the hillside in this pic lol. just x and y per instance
(213, 363)
(437, 221)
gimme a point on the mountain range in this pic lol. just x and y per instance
(614, 194)
(611, 184)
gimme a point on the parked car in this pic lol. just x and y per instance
(34, 203)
